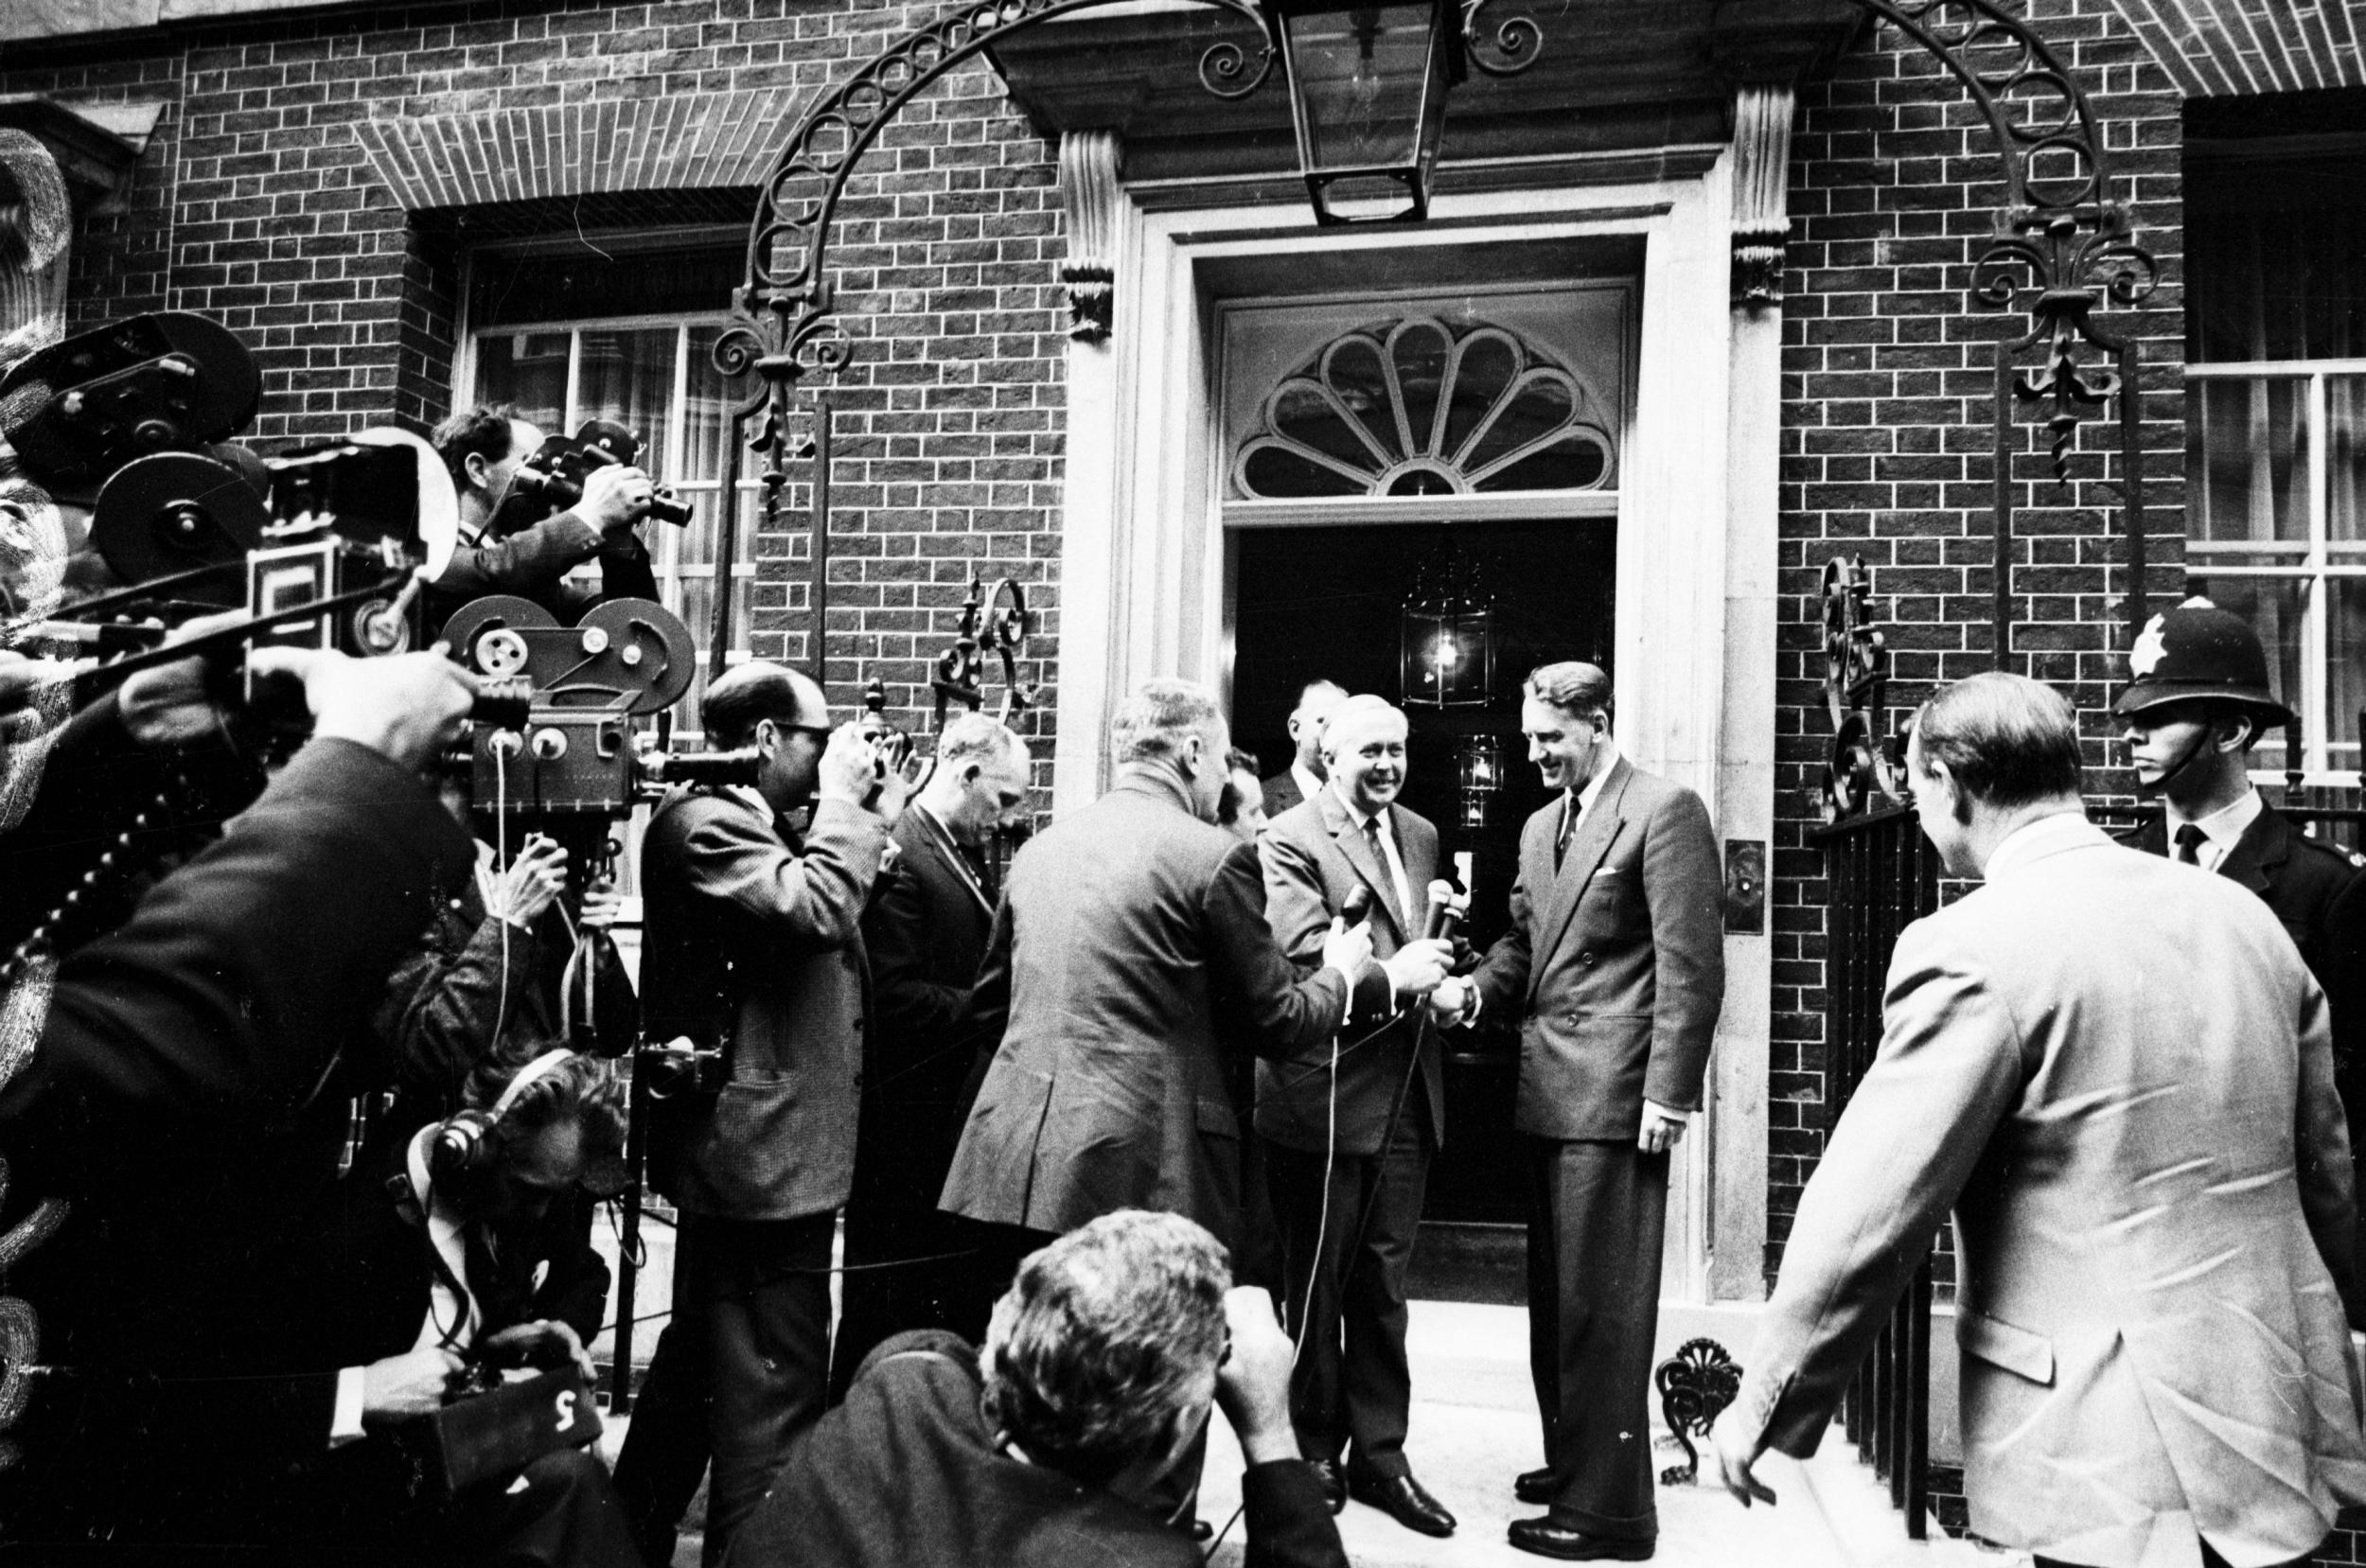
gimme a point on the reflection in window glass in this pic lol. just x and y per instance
(2345, 668)
(527, 369)
(2247, 460)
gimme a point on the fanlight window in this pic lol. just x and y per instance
(1413, 408)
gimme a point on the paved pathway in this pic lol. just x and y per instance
(1474, 1427)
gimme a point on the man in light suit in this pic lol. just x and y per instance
(754, 944)
(1129, 947)
(1336, 1184)
(1614, 965)
(1303, 779)
(2116, 1070)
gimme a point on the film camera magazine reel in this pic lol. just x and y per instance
(585, 684)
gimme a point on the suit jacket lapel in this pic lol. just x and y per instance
(2260, 847)
(948, 854)
(1578, 864)
(1349, 836)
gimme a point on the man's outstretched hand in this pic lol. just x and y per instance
(1738, 1442)
(407, 707)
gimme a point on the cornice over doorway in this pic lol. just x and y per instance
(1614, 77)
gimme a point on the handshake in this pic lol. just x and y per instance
(1421, 968)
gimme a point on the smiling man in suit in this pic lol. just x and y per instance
(926, 930)
(1616, 964)
(1348, 1189)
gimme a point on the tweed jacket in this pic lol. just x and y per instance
(1122, 957)
(1313, 855)
(755, 938)
(2116, 1070)
(1617, 959)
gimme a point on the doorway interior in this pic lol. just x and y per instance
(1326, 602)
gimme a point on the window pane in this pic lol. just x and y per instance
(706, 418)
(2247, 460)
(528, 369)
(2274, 606)
(2275, 253)
(2345, 681)
(587, 284)
(627, 376)
(2345, 460)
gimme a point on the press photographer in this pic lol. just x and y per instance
(175, 1104)
(514, 539)
(753, 948)
(452, 1256)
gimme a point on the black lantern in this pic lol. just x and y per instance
(1367, 94)
(1446, 636)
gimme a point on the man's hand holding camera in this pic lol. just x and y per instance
(854, 770)
(615, 498)
(535, 878)
(412, 1384)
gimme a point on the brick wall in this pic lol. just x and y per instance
(1887, 377)
(256, 204)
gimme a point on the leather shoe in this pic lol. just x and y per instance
(1537, 1487)
(1546, 1538)
(1334, 1482)
(1403, 1499)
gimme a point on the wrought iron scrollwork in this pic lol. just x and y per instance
(997, 623)
(1518, 42)
(1864, 769)
(1695, 1386)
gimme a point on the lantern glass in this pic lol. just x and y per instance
(1367, 91)
(1479, 772)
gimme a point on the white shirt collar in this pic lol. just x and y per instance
(1572, 817)
(1308, 786)
(2225, 826)
(2034, 842)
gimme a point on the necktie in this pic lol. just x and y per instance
(1380, 857)
(2189, 841)
(980, 868)
(1568, 828)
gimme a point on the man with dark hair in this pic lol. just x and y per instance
(2116, 1071)
(1047, 1449)
(1303, 779)
(1242, 809)
(911, 1265)
(753, 946)
(481, 447)
(1614, 965)
(1351, 1136)
(2196, 703)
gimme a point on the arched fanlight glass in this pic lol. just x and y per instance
(1416, 408)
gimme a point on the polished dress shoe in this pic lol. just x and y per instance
(1334, 1482)
(1546, 1538)
(1402, 1499)
(1537, 1487)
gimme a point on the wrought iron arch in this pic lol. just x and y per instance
(2060, 246)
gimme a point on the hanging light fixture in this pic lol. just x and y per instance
(1368, 87)
(1446, 635)
(1479, 773)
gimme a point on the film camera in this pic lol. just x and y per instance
(551, 477)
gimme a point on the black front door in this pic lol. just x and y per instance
(1324, 603)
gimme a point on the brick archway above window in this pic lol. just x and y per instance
(683, 142)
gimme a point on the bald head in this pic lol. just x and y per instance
(746, 695)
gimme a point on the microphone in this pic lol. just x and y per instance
(1446, 911)
(1357, 907)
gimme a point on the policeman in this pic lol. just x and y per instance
(2197, 702)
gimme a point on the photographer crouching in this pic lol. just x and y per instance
(170, 1115)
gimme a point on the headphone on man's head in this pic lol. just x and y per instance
(464, 1143)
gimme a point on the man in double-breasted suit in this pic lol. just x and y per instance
(1352, 1183)
(1614, 965)
(754, 944)
(1128, 947)
(2115, 1069)
(927, 932)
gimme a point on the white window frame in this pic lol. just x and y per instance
(2314, 561)
(672, 572)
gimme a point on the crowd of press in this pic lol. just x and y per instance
(315, 1038)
